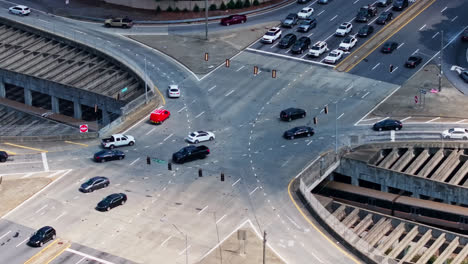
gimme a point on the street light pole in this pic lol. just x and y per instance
(336, 127)
(206, 19)
(146, 84)
(186, 243)
(264, 245)
(441, 51)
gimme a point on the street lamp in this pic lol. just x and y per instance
(440, 66)
(146, 84)
(186, 242)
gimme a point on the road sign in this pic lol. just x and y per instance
(84, 128)
(423, 91)
(415, 99)
(124, 89)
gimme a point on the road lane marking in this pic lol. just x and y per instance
(289, 57)
(253, 190)
(351, 86)
(435, 35)
(59, 253)
(87, 256)
(355, 2)
(219, 220)
(229, 93)
(212, 88)
(55, 174)
(392, 135)
(5, 234)
(310, 142)
(461, 121)
(76, 143)
(22, 242)
(202, 210)
(44, 161)
(406, 118)
(165, 241)
(25, 147)
(376, 66)
(340, 116)
(453, 19)
(180, 110)
(294, 223)
(183, 251)
(365, 95)
(241, 67)
(434, 119)
(416, 51)
(394, 70)
(27, 175)
(333, 18)
(421, 28)
(310, 34)
(81, 260)
(168, 137)
(400, 45)
(445, 8)
(60, 216)
(151, 130)
(236, 182)
(133, 162)
(40, 209)
(200, 114)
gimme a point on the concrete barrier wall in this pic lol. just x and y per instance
(89, 135)
(153, 4)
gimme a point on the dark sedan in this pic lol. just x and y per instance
(42, 236)
(307, 24)
(3, 156)
(384, 18)
(233, 19)
(94, 183)
(301, 45)
(413, 61)
(111, 201)
(365, 31)
(287, 41)
(464, 35)
(106, 155)
(301, 131)
(389, 46)
(388, 124)
(464, 76)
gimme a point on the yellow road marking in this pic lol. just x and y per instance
(160, 94)
(20, 146)
(40, 252)
(58, 254)
(315, 227)
(8, 152)
(76, 143)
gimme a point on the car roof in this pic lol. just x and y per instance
(274, 29)
(98, 177)
(159, 111)
(44, 228)
(21, 6)
(459, 129)
(174, 86)
(306, 9)
(114, 195)
(345, 23)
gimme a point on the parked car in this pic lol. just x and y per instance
(455, 133)
(159, 115)
(365, 13)
(301, 131)
(271, 35)
(305, 12)
(344, 29)
(323, 2)
(190, 153)
(388, 124)
(384, 18)
(173, 91)
(42, 236)
(233, 19)
(94, 183)
(333, 56)
(464, 76)
(307, 24)
(111, 201)
(117, 140)
(399, 5)
(464, 35)
(389, 47)
(292, 113)
(318, 49)
(348, 43)
(287, 41)
(21, 10)
(365, 31)
(200, 136)
(119, 22)
(106, 155)
(302, 1)
(290, 20)
(3, 156)
(413, 61)
(383, 3)
(301, 45)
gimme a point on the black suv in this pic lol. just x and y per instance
(111, 201)
(301, 45)
(42, 236)
(388, 124)
(3, 156)
(94, 183)
(365, 13)
(365, 31)
(301, 131)
(399, 5)
(292, 113)
(384, 18)
(287, 41)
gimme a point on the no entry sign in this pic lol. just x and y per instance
(83, 128)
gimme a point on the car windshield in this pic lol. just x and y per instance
(451, 130)
(89, 182)
(315, 48)
(305, 22)
(334, 54)
(342, 27)
(192, 134)
(303, 11)
(174, 90)
(383, 16)
(347, 40)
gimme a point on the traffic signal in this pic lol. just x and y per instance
(148, 160)
(255, 70)
(95, 108)
(227, 63)
(169, 166)
(273, 74)
(200, 173)
(222, 176)
(206, 56)
(326, 109)
(315, 120)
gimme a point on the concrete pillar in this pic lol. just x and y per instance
(2, 89)
(384, 188)
(77, 109)
(55, 104)
(27, 96)
(355, 181)
(105, 116)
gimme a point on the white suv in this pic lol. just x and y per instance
(318, 49)
(344, 29)
(20, 10)
(272, 35)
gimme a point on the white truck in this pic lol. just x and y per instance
(118, 140)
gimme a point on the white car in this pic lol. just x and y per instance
(348, 43)
(456, 133)
(272, 35)
(318, 49)
(344, 29)
(306, 12)
(333, 56)
(19, 10)
(199, 136)
(173, 91)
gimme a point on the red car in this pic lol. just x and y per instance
(233, 19)
(159, 115)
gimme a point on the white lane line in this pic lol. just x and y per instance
(400, 45)
(180, 110)
(320, 12)
(165, 241)
(274, 45)
(22, 242)
(27, 175)
(310, 142)
(168, 137)
(44, 161)
(240, 68)
(406, 118)
(461, 121)
(340, 116)
(45, 21)
(315, 256)
(421, 28)
(355, 2)
(349, 88)
(15, 163)
(289, 57)
(377, 65)
(416, 51)
(219, 220)
(88, 256)
(40, 209)
(133, 162)
(383, 119)
(149, 132)
(310, 34)
(183, 251)
(394, 70)
(229, 93)
(81, 260)
(392, 135)
(434, 119)
(445, 8)
(236, 182)
(253, 190)
(453, 19)
(5, 234)
(435, 35)
(58, 217)
(200, 114)
(294, 223)
(365, 95)
(333, 18)
(202, 210)
(364, 120)
(212, 88)
(55, 174)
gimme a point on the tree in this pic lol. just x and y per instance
(177, 9)
(239, 4)
(256, 3)
(185, 10)
(158, 9)
(231, 4)
(222, 6)
(169, 9)
(196, 8)
(247, 3)
(212, 7)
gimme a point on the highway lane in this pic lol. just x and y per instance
(419, 37)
